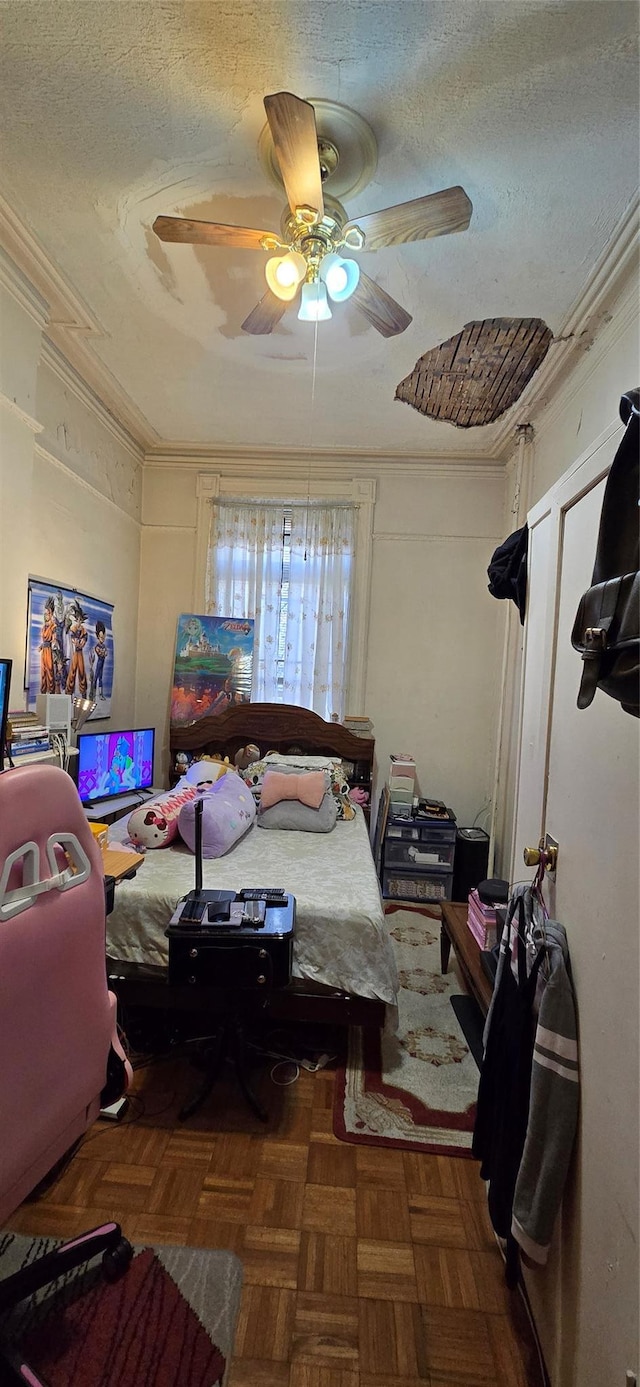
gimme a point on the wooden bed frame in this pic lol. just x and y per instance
(270, 727)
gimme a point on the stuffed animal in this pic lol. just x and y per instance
(246, 755)
(228, 810)
(155, 824)
(207, 771)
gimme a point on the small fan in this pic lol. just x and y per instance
(306, 255)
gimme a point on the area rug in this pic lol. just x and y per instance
(471, 1021)
(414, 1087)
(167, 1322)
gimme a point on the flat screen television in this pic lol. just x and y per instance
(114, 763)
(5, 685)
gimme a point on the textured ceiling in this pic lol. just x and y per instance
(115, 112)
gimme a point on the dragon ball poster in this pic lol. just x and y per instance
(213, 666)
(69, 645)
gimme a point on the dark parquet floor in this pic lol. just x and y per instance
(363, 1267)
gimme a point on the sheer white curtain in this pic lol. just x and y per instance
(244, 580)
(320, 574)
(289, 567)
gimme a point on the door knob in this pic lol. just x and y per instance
(546, 852)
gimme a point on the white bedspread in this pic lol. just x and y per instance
(341, 936)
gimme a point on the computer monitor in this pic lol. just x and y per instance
(5, 685)
(114, 763)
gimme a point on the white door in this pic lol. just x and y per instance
(578, 781)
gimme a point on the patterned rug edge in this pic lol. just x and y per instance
(429, 1147)
(462, 1122)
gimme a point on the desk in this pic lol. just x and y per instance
(118, 864)
(455, 930)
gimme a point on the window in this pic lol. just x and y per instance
(289, 566)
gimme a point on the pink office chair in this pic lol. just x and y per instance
(61, 1059)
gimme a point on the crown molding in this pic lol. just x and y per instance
(82, 482)
(103, 387)
(59, 364)
(21, 414)
(326, 465)
(20, 288)
(588, 313)
(626, 314)
(68, 321)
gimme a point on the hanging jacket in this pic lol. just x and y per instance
(507, 571)
(528, 1095)
(606, 631)
(553, 1106)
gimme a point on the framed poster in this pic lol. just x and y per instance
(213, 666)
(69, 645)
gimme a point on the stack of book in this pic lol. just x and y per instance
(402, 783)
(361, 727)
(27, 735)
(482, 921)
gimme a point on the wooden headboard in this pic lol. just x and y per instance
(272, 727)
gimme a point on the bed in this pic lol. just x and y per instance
(344, 968)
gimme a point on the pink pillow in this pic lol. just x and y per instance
(309, 787)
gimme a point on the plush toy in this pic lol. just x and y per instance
(155, 824)
(207, 770)
(358, 796)
(245, 756)
(228, 810)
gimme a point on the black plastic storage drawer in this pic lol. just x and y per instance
(426, 855)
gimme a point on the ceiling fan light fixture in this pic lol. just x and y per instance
(284, 273)
(340, 276)
(314, 305)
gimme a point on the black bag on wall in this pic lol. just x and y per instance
(606, 630)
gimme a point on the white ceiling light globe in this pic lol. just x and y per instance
(340, 276)
(337, 279)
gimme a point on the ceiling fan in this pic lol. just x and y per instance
(315, 229)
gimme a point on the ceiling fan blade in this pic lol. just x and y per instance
(437, 214)
(388, 316)
(266, 315)
(192, 233)
(292, 123)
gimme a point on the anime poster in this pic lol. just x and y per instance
(213, 666)
(69, 645)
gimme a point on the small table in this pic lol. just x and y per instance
(455, 930)
(120, 864)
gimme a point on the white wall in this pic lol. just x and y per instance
(432, 659)
(71, 488)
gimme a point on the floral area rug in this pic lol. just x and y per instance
(416, 1088)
